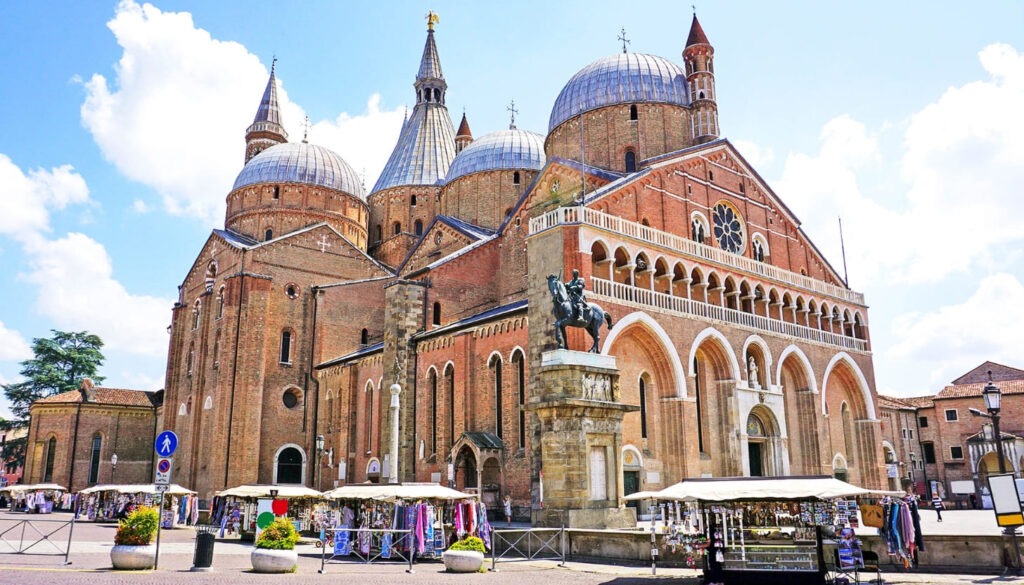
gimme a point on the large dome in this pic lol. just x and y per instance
(617, 79)
(301, 162)
(504, 149)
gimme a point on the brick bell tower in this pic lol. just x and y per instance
(698, 56)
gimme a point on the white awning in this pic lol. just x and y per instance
(137, 488)
(406, 491)
(34, 487)
(754, 488)
(263, 491)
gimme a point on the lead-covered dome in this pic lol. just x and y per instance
(504, 149)
(617, 79)
(301, 163)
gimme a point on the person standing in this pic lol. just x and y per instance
(508, 510)
(937, 505)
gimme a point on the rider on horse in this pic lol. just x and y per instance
(575, 289)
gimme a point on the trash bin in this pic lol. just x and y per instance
(203, 559)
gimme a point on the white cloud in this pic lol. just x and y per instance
(13, 347)
(28, 198)
(956, 199)
(77, 290)
(953, 339)
(139, 206)
(756, 155)
(174, 117)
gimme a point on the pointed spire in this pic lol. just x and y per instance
(430, 64)
(697, 36)
(266, 129)
(464, 136)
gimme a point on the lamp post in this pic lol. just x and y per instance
(993, 399)
(113, 467)
(319, 456)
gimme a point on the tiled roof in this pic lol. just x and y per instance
(108, 396)
(1000, 373)
(919, 401)
(974, 390)
(697, 36)
(893, 402)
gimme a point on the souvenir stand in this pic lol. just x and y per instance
(110, 502)
(759, 530)
(389, 519)
(301, 502)
(37, 498)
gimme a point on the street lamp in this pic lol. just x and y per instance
(113, 467)
(319, 456)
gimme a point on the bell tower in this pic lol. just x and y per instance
(266, 129)
(698, 56)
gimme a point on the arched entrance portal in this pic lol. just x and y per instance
(289, 467)
(756, 445)
(763, 445)
(466, 478)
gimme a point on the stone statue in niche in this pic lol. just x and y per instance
(752, 373)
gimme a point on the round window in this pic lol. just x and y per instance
(292, 291)
(728, 228)
(290, 399)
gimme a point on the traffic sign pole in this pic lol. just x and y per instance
(165, 446)
(159, 523)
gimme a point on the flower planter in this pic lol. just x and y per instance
(462, 561)
(128, 557)
(268, 560)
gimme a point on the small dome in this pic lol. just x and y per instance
(618, 79)
(301, 162)
(504, 149)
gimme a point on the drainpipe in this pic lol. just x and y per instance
(316, 383)
(234, 369)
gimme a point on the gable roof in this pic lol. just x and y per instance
(974, 390)
(108, 397)
(1000, 373)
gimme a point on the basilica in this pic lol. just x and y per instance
(328, 335)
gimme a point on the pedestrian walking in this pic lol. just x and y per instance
(937, 504)
(508, 510)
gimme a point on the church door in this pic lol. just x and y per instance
(631, 485)
(756, 461)
(289, 466)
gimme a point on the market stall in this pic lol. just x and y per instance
(378, 520)
(763, 530)
(37, 498)
(246, 499)
(110, 502)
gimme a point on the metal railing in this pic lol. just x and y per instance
(529, 544)
(382, 544)
(21, 537)
(627, 294)
(617, 225)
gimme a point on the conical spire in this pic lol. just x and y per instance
(697, 36)
(266, 129)
(430, 64)
(464, 136)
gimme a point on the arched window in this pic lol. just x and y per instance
(758, 251)
(630, 161)
(286, 347)
(220, 303)
(364, 337)
(496, 366)
(699, 404)
(449, 379)
(633, 113)
(517, 361)
(268, 235)
(419, 227)
(51, 454)
(847, 433)
(397, 228)
(369, 418)
(643, 408)
(437, 313)
(289, 466)
(190, 360)
(698, 230)
(94, 459)
(437, 95)
(515, 178)
(434, 423)
(195, 314)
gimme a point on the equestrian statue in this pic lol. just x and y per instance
(571, 309)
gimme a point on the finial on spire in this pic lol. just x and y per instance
(432, 19)
(273, 64)
(694, 6)
(305, 133)
(512, 109)
(622, 37)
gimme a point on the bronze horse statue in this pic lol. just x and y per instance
(590, 318)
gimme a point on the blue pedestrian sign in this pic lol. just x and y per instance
(166, 443)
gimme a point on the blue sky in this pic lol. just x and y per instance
(122, 131)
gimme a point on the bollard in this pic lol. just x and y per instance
(202, 561)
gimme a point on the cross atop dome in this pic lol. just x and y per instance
(622, 37)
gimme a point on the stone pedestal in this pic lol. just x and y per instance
(580, 419)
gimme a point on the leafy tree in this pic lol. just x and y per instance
(59, 365)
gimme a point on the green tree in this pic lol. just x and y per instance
(59, 365)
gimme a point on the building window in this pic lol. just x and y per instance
(289, 466)
(904, 433)
(380, 233)
(418, 226)
(630, 161)
(956, 452)
(286, 347)
(412, 200)
(520, 366)
(496, 364)
(369, 418)
(397, 228)
(449, 378)
(94, 460)
(847, 432)
(633, 113)
(268, 235)
(195, 315)
(290, 398)
(515, 178)
(277, 192)
(643, 408)
(698, 230)
(951, 415)
(364, 337)
(433, 411)
(220, 303)
(51, 454)
(292, 291)
(697, 397)
(928, 450)
(922, 421)
(437, 313)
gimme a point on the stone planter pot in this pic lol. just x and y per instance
(462, 561)
(267, 560)
(129, 557)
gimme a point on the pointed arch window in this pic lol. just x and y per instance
(51, 454)
(643, 408)
(449, 379)
(195, 314)
(286, 347)
(220, 303)
(433, 411)
(847, 433)
(496, 366)
(699, 403)
(630, 161)
(364, 337)
(268, 235)
(519, 364)
(94, 459)
(368, 437)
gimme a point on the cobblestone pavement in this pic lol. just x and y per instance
(90, 564)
